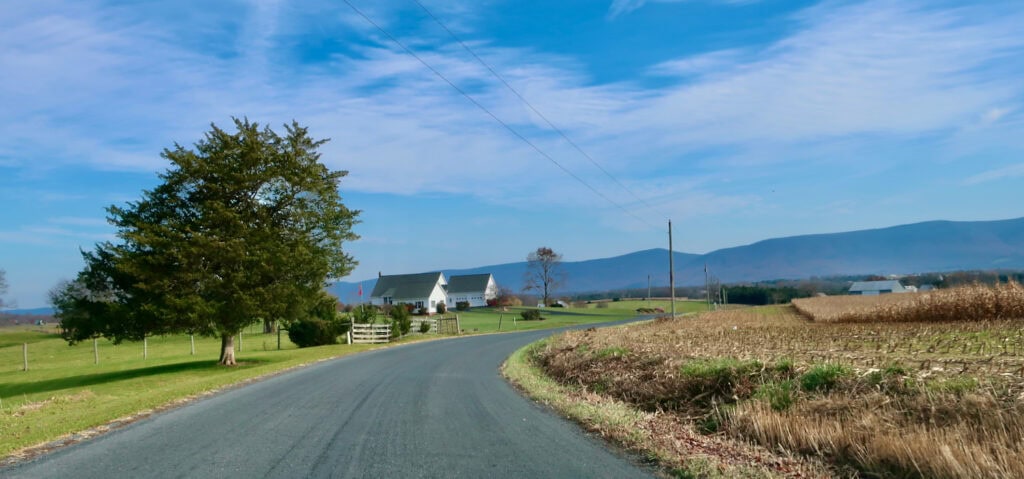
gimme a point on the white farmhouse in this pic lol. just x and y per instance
(474, 289)
(424, 290)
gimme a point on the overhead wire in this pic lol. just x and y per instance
(533, 109)
(511, 130)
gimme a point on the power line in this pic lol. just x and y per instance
(532, 108)
(492, 115)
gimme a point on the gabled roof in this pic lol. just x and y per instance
(888, 285)
(407, 286)
(469, 283)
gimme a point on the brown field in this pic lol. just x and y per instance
(965, 303)
(882, 399)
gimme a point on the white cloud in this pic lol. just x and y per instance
(877, 68)
(1011, 171)
(111, 87)
(622, 7)
(994, 114)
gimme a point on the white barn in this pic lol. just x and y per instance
(874, 288)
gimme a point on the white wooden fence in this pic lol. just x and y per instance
(417, 322)
(370, 333)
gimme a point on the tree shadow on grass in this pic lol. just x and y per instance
(85, 380)
(557, 312)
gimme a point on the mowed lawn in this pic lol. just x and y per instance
(65, 392)
(489, 320)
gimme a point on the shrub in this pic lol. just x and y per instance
(315, 332)
(401, 323)
(823, 377)
(492, 302)
(602, 305)
(442, 308)
(531, 315)
(424, 327)
(462, 305)
(779, 395)
(364, 314)
(705, 382)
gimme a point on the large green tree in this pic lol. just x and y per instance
(244, 226)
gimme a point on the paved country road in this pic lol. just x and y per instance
(431, 409)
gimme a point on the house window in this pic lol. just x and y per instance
(419, 304)
(433, 303)
(386, 299)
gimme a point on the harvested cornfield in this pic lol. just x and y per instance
(904, 399)
(965, 303)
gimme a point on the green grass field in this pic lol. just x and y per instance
(64, 391)
(487, 320)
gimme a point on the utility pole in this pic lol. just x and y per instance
(707, 286)
(671, 270)
(648, 291)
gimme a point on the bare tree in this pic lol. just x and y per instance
(543, 273)
(3, 287)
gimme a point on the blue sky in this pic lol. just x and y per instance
(739, 120)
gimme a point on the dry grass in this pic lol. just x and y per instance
(965, 303)
(899, 399)
(667, 439)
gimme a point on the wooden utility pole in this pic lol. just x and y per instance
(648, 291)
(671, 270)
(707, 286)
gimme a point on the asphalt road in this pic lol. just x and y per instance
(432, 409)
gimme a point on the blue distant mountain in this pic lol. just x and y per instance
(31, 311)
(932, 246)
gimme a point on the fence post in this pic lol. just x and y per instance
(95, 351)
(192, 343)
(278, 339)
(458, 329)
(499, 321)
(145, 347)
(239, 341)
(24, 353)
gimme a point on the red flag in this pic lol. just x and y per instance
(360, 290)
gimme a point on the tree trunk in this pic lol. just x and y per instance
(227, 350)
(269, 326)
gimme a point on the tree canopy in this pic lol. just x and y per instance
(244, 226)
(543, 273)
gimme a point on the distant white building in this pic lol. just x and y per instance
(424, 290)
(874, 288)
(475, 289)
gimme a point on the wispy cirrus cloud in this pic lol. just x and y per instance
(622, 7)
(1007, 172)
(110, 86)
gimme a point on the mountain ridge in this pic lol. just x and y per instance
(928, 246)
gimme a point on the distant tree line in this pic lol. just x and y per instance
(784, 290)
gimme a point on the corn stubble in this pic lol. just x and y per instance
(935, 396)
